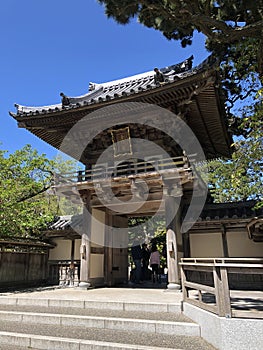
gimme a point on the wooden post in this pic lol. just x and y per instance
(222, 292)
(224, 241)
(85, 243)
(72, 258)
(226, 292)
(216, 275)
(183, 280)
(108, 255)
(186, 245)
(173, 234)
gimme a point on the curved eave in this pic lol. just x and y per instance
(207, 115)
(134, 95)
(196, 89)
(116, 91)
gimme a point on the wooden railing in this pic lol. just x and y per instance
(69, 273)
(217, 297)
(125, 168)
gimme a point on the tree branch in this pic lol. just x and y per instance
(32, 195)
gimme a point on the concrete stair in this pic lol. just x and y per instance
(55, 324)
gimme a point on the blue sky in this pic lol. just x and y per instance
(52, 46)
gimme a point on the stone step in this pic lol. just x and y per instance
(61, 337)
(59, 322)
(92, 304)
(118, 313)
(145, 325)
(35, 342)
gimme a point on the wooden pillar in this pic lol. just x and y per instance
(224, 241)
(173, 240)
(85, 242)
(222, 292)
(108, 252)
(72, 250)
(186, 245)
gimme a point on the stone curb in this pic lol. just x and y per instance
(91, 304)
(125, 324)
(56, 343)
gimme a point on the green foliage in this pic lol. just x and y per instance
(240, 81)
(233, 30)
(241, 177)
(25, 206)
(234, 34)
(150, 230)
(145, 228)
(224, 23)
(159, 240)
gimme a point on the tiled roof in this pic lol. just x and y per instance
(65, 222)
(14, 242)
(236, 215)
(228, 211)
(132, 85)
(215, 212)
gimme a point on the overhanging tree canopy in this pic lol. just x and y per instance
(223, 22)
(234, 32)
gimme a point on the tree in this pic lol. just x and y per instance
(234, 32)
(25, 177)
(240, 178)
(233, 28)
(224, 22)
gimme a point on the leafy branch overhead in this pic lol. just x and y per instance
(223, 22)
(25, 177)
(234, 34)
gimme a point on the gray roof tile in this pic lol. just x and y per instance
(129, 86)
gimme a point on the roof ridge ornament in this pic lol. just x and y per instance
(64, 100)
(93, 86)
(162, 75)
(158, 77)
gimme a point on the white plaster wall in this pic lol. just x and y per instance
(206, 245)
(239, 245)
(77, 249)
(62, 251)
(97, 228)
(96, 265)
(97, 239)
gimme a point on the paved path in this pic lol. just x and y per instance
(139, 296)
(103, 294)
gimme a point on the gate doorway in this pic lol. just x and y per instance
(112, 237)
(110, 200)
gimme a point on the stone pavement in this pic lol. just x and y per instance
(119, 318)
(111, 304)
(140, 294)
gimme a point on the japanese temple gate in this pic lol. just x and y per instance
(180, 121)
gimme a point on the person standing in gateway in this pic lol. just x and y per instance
(155, 263)
(145, 261)
(136, 252)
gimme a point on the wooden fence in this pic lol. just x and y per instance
(22, 269)
(217, 297)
